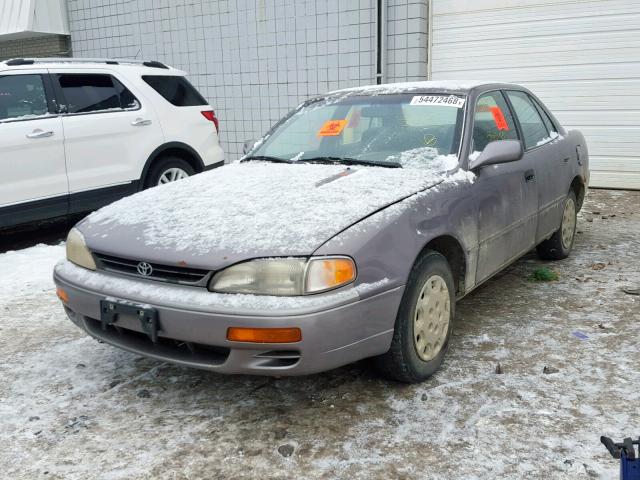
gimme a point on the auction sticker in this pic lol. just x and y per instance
(442, 100)
(332, 128)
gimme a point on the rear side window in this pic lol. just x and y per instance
(22, 97)
(545, 117)
(175, 89)
(492, 121)
(534, 130)
(86, 93)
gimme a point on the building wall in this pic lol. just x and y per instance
(255, 59)
(45, 46)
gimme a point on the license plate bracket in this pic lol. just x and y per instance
(110, 310)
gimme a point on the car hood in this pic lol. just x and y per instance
(247, 210)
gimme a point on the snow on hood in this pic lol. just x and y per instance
(250, 209)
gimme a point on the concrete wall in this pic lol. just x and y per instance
(45, 46)
(255, 59)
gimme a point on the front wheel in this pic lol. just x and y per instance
(424, 323)
(168, 169)
(559, 245)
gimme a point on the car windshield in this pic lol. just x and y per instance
(405, 130)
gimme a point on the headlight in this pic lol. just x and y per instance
(77, 251)
(285, 276)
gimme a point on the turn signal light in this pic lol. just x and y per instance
(62, 295)
(264, 335)
(327, 273)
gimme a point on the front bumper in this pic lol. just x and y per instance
(337, 328)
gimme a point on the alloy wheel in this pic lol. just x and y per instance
(172, 175)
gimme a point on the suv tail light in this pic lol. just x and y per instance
(211, 116)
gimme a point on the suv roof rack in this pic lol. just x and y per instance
(109, 61)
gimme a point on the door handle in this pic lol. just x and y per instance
(140, 122)
(37, 133)
(529, 175)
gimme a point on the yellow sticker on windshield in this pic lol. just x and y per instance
(332, 128)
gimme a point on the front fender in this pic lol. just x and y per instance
(387, 244)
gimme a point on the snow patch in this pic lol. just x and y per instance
(256, 207)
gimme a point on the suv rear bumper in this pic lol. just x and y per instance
(342, 330)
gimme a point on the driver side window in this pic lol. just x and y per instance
(492, 121)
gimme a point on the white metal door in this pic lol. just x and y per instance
(582, 58)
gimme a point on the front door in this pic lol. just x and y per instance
(33, 183)
(506, 194)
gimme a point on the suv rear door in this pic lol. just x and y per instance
(110, 132)
(33, 182)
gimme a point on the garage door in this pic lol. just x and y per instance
(581, 57)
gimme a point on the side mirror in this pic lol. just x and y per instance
(499, 151)
(248, 145)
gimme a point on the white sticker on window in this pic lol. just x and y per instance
(445, 101)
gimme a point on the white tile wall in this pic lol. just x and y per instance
(255, 59)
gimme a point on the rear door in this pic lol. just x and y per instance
(506, 194)
(545, 150)
(33, 183)
(110, 132)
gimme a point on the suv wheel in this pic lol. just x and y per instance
(424, 322)
(168, 169)
(561, 242)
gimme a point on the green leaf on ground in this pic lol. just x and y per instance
(544, 274)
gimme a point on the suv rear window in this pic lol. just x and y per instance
(175, 89)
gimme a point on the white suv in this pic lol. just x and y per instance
(76, 134)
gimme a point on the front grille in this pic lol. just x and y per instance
(160, 272)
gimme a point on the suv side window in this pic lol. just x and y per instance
(175, 89)
(533, 128)
(22, 97)
(492, 121)
(85, 93)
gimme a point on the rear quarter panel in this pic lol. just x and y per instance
(182, 124)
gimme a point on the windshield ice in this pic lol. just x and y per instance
(407, 130)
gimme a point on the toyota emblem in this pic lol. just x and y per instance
(144, 269)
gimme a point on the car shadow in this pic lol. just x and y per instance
(50, 233)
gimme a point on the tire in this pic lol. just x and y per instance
(559, 245)
(167, 166)
(403, 362)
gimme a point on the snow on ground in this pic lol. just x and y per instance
(71, 408)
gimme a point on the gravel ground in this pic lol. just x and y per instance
(71, 408)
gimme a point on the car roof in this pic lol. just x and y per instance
(457, 86)
(148, 66)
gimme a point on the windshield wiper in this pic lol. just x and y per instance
(349, 161)
(266, 158)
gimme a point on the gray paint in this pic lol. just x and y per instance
(495, 220)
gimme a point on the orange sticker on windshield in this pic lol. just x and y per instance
(498, 117)
(332, 128)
